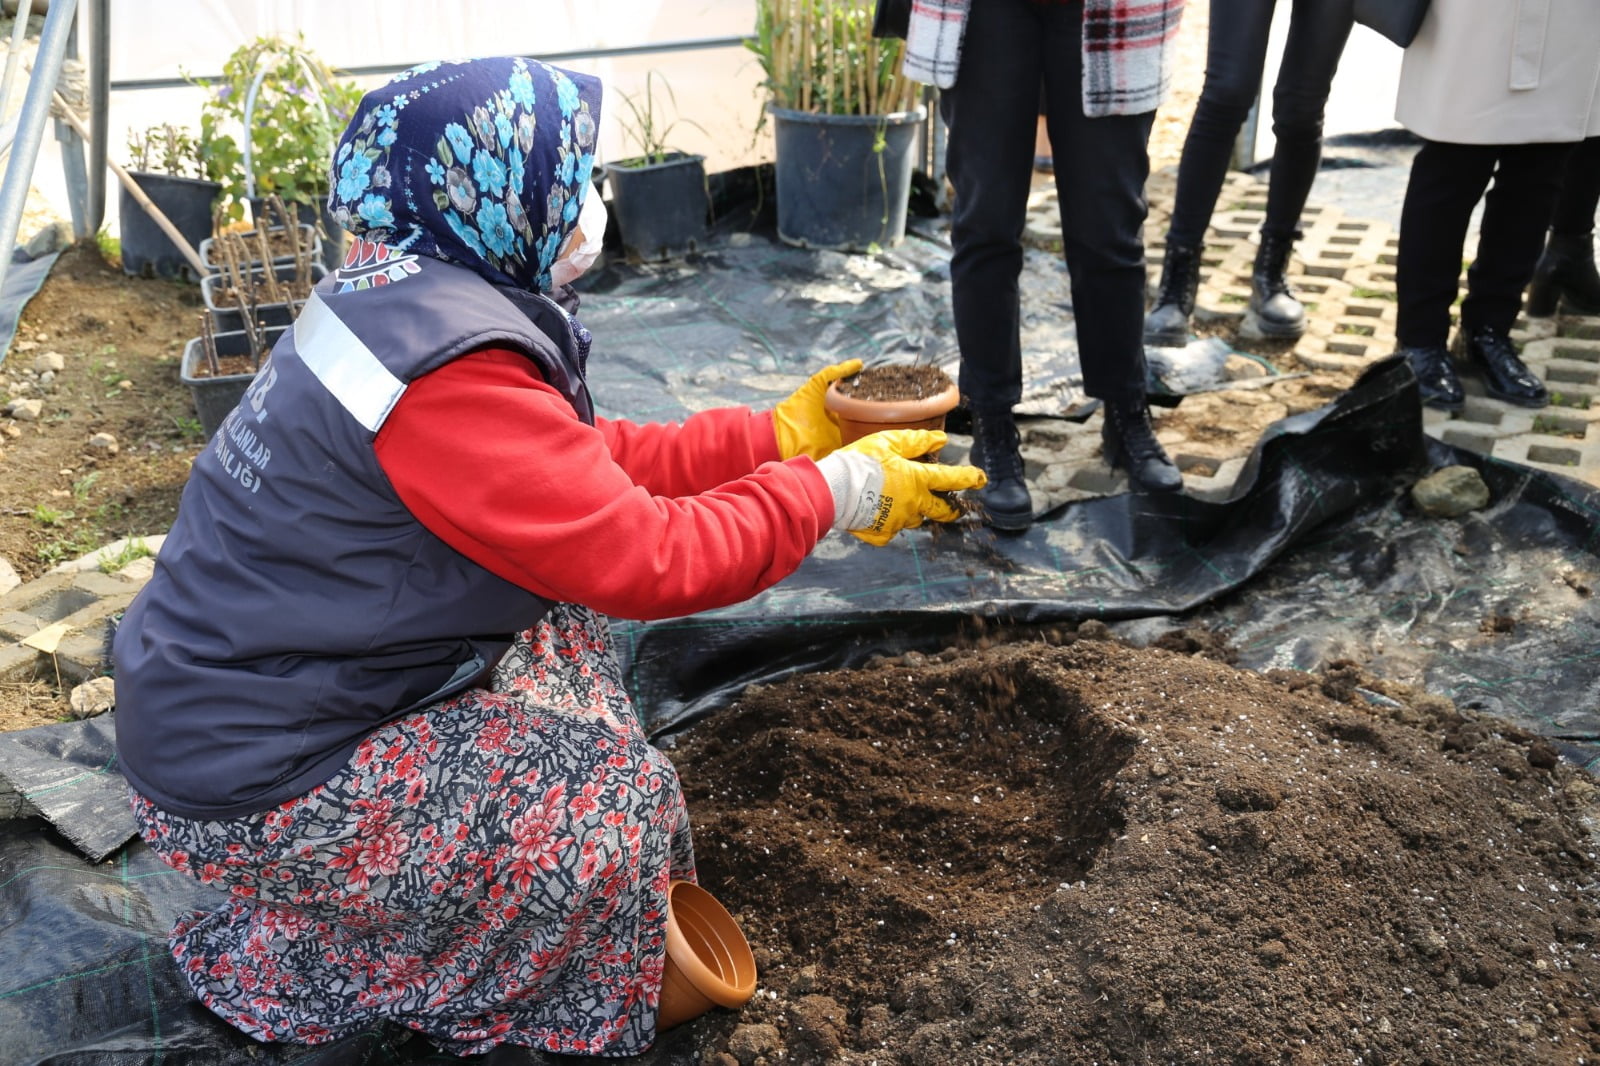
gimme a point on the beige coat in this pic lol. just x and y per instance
(1504, 72)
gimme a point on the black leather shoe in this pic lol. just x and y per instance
(1505, 375)
(1128, 442)
(1277, 311)
(1436, 377)
(1167, 326)
(996, 450)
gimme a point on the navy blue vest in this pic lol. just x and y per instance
(296, 604)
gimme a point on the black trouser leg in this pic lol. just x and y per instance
(1318, 30)
(992, 113)
(1100, 183)
(1236, 50)
(1580, 190)
(1516, 213)
(1444, 186)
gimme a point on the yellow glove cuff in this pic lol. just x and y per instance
(879, 487)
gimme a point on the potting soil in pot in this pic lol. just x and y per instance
(895, 381)
(1073, 851)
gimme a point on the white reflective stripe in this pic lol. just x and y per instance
(345, 366)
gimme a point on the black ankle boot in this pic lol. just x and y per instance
(1128, 442)
(1168, 325)
(1505, 375)
(1272, 301)
(996, 451)
(1566, 278)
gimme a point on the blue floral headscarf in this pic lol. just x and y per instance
(484, 163)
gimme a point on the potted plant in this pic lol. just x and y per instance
(891, 396)
(168, 168)
(250, 289)
(277, 238)
(844, 123)
(218, 366)
(269, 128)
(658, 196)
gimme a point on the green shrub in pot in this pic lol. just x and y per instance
(270, 126)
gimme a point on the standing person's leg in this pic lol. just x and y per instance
(1236, 50)
(1318, 30)
(1516, 213)
(990, 114)
(1100, 178)
(1580, 190)
(1445, 183)
(1566, 277)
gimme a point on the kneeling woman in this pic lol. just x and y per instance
(369, 692)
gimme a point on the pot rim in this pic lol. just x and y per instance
(190, 361)
(674, 158)
(892, 118)
(894, 411)
(215, 186)
(211, 282)
(717, 922)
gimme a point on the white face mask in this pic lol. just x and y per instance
(591, 227)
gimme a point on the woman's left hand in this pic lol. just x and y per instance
(803, 424)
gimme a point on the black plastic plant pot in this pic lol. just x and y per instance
(216, 395)
(146, 250)
(660, 208)
(843, 181)
(227, 316)
(308, 236)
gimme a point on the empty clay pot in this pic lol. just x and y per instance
(859, 417)
(709, 962)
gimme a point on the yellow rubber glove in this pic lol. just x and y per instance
(804, 425)
(879, 487)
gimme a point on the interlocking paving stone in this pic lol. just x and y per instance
(1343, 269)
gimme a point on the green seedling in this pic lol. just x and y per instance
(111, 562)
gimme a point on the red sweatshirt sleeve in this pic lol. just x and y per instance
(699, 453)
(495, 463)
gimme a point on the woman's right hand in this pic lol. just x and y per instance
(880, 487)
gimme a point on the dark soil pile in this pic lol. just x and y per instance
(1080, 852)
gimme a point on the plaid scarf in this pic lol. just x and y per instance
(1127, 50)
(933, 42)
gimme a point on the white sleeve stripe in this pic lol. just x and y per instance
(345, 366)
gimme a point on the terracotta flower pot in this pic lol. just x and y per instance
(709, 962)
(931, 396)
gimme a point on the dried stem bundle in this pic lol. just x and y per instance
(820, 56)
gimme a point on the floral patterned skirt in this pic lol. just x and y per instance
(492, 869)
